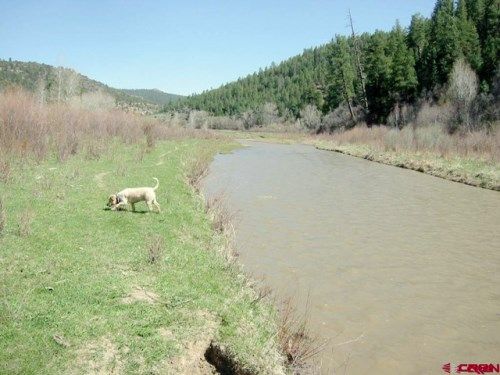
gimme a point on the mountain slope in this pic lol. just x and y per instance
(153, 95)
(298, 80)
(57, 82)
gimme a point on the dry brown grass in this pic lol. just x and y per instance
(5, 169)
(3, 217)
(295, 340)
(156, 247)
(34, 130)
(434, 139)
(222, 217)
(26, 218)
(196, 169)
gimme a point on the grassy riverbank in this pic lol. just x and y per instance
(84, 289)
(472, 159)
(469, 171)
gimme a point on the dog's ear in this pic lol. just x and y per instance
(112, 200)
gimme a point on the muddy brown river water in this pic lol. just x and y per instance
(401, 269)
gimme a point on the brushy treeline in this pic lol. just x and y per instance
(478, 145)
(371, 76)
(33, 129)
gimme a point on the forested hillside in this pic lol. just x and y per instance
(57, 83)
(153, 95)
(370, 75)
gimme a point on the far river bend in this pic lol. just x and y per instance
(401, 269)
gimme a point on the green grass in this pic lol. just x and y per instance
(64, 284)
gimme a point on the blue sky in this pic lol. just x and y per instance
(182, 46)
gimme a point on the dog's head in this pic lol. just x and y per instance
(112, 200)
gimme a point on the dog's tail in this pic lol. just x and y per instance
(157, 183)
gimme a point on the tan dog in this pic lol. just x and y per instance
(133, 195)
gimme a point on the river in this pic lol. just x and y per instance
(401, 269)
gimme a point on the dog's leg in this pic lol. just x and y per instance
(133, 206)
(120, 205)
(157, 205)
(150, 205)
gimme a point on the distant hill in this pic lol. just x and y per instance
(63, 82)
(153, 95)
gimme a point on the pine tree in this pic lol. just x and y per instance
(342, 76)
(379, 71)
(468, 37)
(418, 35)
(403, 78)
(490, 39)
(443, 47)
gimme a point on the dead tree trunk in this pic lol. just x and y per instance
(359, 65)
(346, 96)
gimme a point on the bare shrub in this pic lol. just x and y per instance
(267, 114)
(311, 117)
(31, 129)
(148, 129)
(221, 216)
(94, 150)
(429, 115)
(225, 122)
(93, 101)
(295, 339)
(3, 217)
(482, 144)
(196, 169)
(484, 111)
(141, 153)
(340, 118)
(249, 119)
(198, 120)
(156, 249)
(24, 224)
(462, 90)
(401, 115)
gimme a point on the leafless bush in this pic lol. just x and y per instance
(311, 117)
(267, 114)
(484, 111)
(429, 115)
(340, 118)
(196, 169)
(31, 129)
(94, 150)
(24, 224)
(156, 249)
(401, 115)
(3, 217)
(225, 122)
(249, 119)
(295, 339)
(148, 129)
(198, 120)
(221, 216)
(93, 101)
(482, 144)
(462, 91)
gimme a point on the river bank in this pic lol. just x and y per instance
(472, 169)
(469, 171)
(84, 288)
